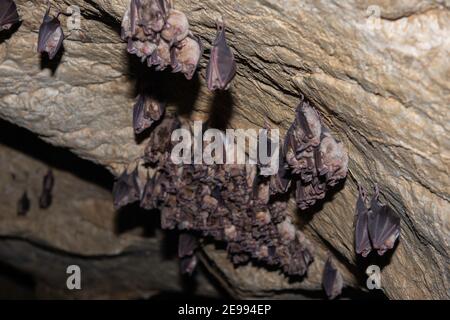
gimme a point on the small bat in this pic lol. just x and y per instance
(332, 281)
(383, 225)
(45, 199)
(176, 27)
(23, 205)
(188, 264)
(222, 66)
(185, 56)
(187, 244)
(145, 112)
(51, 35)
(153, 14)
(8, 14)
(126, 189)
(362, 240)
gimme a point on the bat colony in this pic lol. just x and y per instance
(231, 203)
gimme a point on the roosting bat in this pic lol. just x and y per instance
(23, 205)
(145, 112)
(187, 243)
(8, 14)
(377, 227)
(362, 240)
(46, 197)
(332, 281)
(222, 66)
(185, 56)
(383, 225)
(126, 189)
(51, 35)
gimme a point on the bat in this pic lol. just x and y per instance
(153, 14)
(160, 57)
(51, 35)
(363, 245)
(221, 68)
(315, 160)
(23, 205)
(176, 27)
(185, 56)
(187, 244)
(383, 225)
(145, 112)
(188, 264)
(46, 197)
(8, 14)
(332, 281)
(126, 189)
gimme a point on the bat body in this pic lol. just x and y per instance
(222, 66)
(363, 245)
(383, 225)
(145, 112)
(315, 160)
(126, 189)
(377, 227)
(176, 28)
(332, 281)
(187, 243)
(46, 197)
(23, 205)
(188, 264)
(186, 55)
(51, 35)
(8, 14)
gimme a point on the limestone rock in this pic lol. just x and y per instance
(378, 72)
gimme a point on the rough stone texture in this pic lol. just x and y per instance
(381, 84)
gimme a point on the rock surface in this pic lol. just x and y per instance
(378, 71)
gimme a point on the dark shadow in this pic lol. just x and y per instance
(133, 216)
(53, 64)
(7, 34)
(15, 284)
(307, 215)
(62, 159)
(172, 88)
(221, 110)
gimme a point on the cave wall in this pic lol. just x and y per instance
(380, 83)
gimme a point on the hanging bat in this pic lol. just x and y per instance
(51, 35)
(363, 245)
(126, 189)
(188, 264)
(46, 197)
(23, 205)
(222, 66)
(8, 14)
(145, 112)
(383, 225)
(185, 56)
(332, 281)
(187, 244)
(176, 27)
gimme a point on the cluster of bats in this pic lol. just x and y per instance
(231, 203)
(228, 202)
(158, 33)
(45, 198)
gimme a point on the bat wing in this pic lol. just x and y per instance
(125, 190)
(51, 36)
(222, 66)
(332, 281)
(8, 14)
(363, 245)
(384, 228)
(187, 244)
